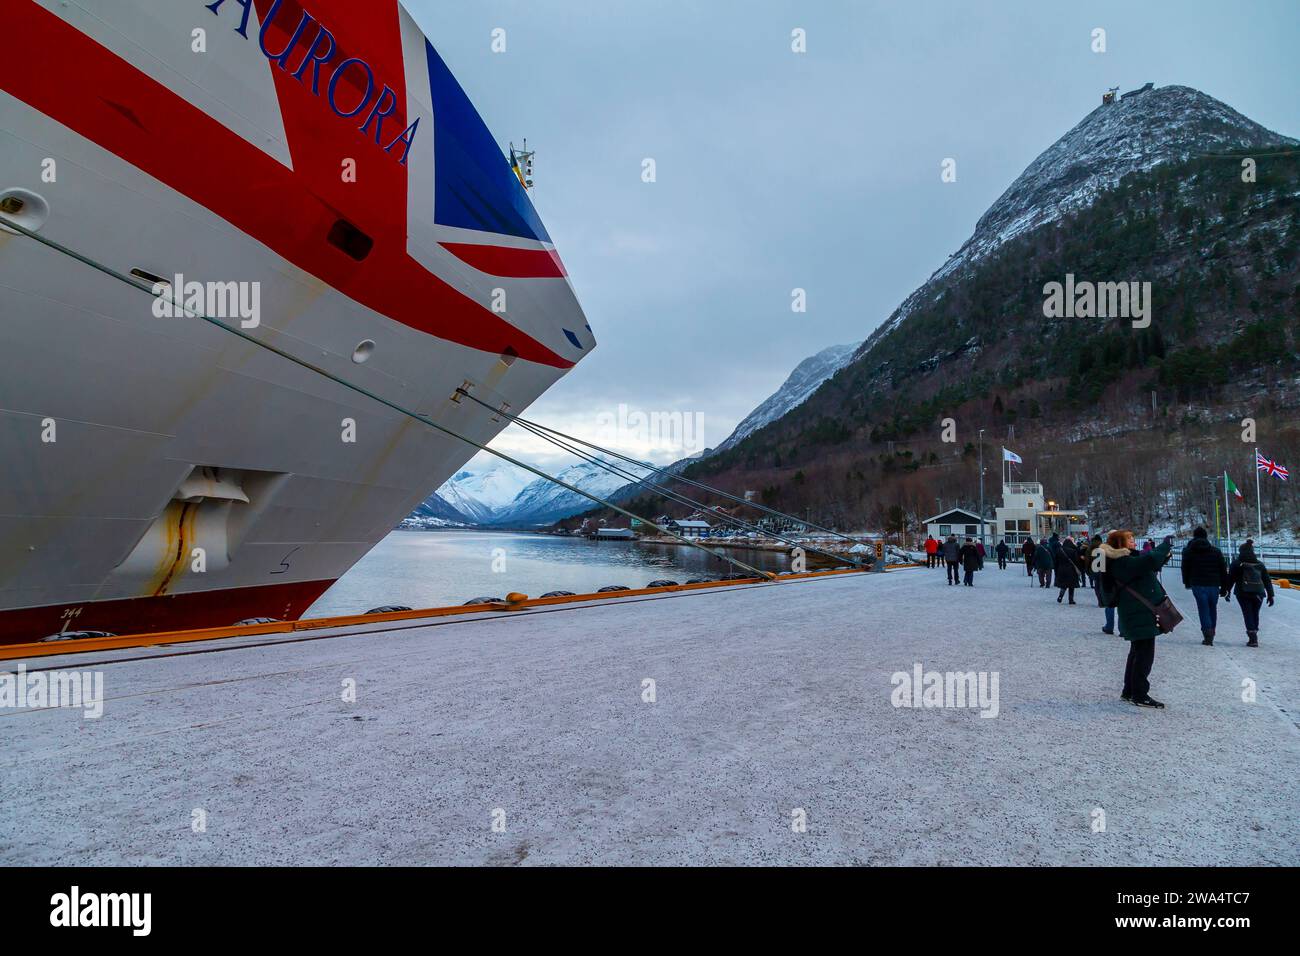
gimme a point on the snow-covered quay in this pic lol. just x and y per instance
(530, 738)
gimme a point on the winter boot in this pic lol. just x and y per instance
(1149, 701)
(1254, 638)
(1208, 636)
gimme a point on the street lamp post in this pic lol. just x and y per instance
(982, 542)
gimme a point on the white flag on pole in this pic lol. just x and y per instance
(1011, 456)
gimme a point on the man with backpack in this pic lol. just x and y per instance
(1205, 574)
(950, 552)
(1044, 563)
(1250, 579)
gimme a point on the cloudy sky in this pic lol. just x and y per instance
(779, 170)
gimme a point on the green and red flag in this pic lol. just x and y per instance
(1229, 486)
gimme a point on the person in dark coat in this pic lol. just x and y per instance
(1067, 570)
(1054, 545)
(951, 551)
(1084, 561)
(1027, 549)
(1249, 578)
(1205, 574)
(970, 562)
(1002, 551)
(1100, 583)
(1134, 576)
(1043, 564)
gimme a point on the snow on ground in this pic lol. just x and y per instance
(768, 698)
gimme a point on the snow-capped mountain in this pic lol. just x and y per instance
(502, 494)
(542, 502)
(478, 494)
(803, 381)
(435, 511)
(1143, 129)
(1148, 189)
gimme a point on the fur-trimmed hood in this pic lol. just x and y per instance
(1113, 554)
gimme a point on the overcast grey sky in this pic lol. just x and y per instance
(820, 170)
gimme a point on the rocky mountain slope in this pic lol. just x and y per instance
(803, 381)
(1134, 134)
(1150, 189)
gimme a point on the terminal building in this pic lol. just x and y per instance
(1026, 512)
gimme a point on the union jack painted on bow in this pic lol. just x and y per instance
(1271, 467)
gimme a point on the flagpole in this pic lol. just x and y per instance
(1227, 510)
(1259, 503)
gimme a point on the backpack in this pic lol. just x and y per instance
(1252, 578)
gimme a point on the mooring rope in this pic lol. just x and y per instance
(135, 284)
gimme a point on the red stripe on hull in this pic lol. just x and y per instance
(144, 123)
(509, 263)
(173, 612)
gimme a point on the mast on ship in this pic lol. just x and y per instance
(521, 161)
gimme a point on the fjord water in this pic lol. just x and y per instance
(445, 568)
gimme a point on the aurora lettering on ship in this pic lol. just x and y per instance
(320, 53)
(130, 443)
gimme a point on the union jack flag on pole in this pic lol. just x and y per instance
(1270, 467)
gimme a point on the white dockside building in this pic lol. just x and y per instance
(1025, 512)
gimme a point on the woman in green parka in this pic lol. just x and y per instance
(1132, 570)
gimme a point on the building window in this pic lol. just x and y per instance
(972, 529)
(945, 530)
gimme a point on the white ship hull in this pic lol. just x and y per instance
(158, 472)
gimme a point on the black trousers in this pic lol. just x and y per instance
(1062, 594)
(1141, 655)
(1044, 579)
(954, 572)
(1002, 562)
(1029, 566)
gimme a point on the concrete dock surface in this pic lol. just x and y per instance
(769, 735)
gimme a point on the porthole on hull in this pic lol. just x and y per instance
(361, 354)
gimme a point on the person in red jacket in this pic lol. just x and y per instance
(931, 549)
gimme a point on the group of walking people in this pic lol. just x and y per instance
(1065, 564)
(961, 560)
(1126, 581)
